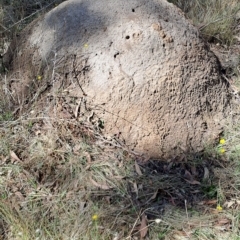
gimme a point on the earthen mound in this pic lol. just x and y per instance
(137, 70)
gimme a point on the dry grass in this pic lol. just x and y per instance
(15, 15)
(216, 19)
(49, 185)
(61, 179)
(56, 174)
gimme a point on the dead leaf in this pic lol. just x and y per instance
(153, 196)
(88, 157)
(77, 108)
(206, 173)
(108, 200)
(138, 170)
(195, 191)
(14, 188)
(143, 228)
(180, 235)
(228, 204)
(194, 170)
(49, 197)
(59, 107)
(116, 236)
(4, 159)
(82, 205)
(14, 156)
(172, 201)
(15, 203)
(65, 114)
(210, 202)
(69, 195)
(135, 188)
(20, 196)
(182, 158)
(165, 168)
(188, 176)
(76, 148)
(213, 211)
(221, 228)
(76, 185)
(193, 182)
(102, 186)
(169, 166)
(223, 221)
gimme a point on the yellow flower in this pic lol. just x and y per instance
(39, 77)
(222, 141)
(85, 45)
(222, 150)
(95, 217)
(219, 208)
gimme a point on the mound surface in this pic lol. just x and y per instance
(136, 69)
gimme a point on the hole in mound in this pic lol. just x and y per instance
(116, 54)
(133, 10)
(204, 126)
(127, 37)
